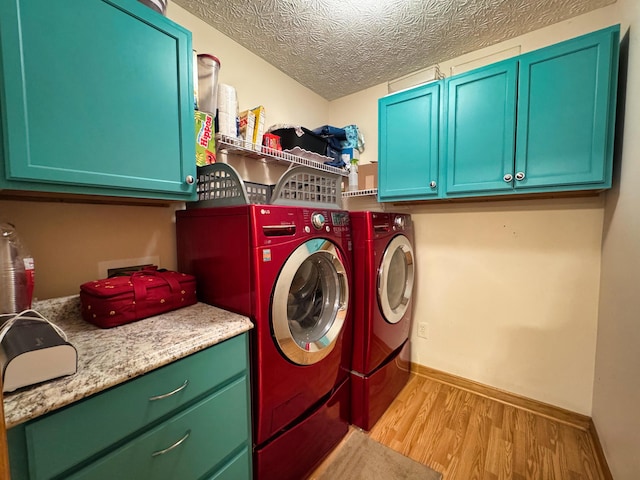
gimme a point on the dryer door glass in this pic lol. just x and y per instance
(395, 279)
(310, 301)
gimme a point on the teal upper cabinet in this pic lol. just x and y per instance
(409, 128)
(96, 97)
(481, 122)
(566, 107)
(540, 122)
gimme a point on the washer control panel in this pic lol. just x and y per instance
(326, 221)
(317, 220)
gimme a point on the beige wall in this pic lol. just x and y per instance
(510, 294)
(509, 289)
(360, 108)
(617, 386)
(256, 81)
(69, 242)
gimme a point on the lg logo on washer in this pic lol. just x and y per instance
(265, 211)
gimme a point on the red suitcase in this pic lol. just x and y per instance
(115, 301)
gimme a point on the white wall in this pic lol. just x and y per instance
(509, 289)
(616, 397)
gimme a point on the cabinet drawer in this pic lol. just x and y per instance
(238, 468)
(63, 439)
(184, 447)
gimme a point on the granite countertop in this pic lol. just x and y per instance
(108, 357)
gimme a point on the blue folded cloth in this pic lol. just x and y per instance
(336, 154)
(335, 136)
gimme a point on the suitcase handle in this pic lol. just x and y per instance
(140, 289)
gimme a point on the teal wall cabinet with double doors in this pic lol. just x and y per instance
(537, 123)
(96, 97)
(409, 149)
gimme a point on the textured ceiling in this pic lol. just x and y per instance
(338, 47)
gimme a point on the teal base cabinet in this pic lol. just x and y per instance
(96, 97)
(409, 149)
(542, 122)
(187, 420)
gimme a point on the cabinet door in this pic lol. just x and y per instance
(480, 129)
(408, 135)
(96, 97)
(566, 108)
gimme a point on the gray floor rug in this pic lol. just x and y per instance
(361, 458)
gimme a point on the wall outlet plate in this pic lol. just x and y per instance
(423, 330)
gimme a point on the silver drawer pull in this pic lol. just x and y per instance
(179, 389)
(168, 449)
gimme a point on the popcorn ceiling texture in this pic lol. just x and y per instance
(338, 47)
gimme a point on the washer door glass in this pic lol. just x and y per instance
(310, 301)
(395, 279)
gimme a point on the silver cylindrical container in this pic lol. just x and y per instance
(208, 67)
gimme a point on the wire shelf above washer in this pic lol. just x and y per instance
(360, 193)
(251, 150)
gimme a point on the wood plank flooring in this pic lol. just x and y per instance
(466, 436)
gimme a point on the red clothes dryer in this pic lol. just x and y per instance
(288, 269)
(384, 270)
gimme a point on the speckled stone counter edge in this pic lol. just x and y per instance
(108, 357)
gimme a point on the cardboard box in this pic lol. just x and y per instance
(258, 131)
(368, 176)
(246, 126)
(205, 139)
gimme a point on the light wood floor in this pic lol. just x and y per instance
(466, 436)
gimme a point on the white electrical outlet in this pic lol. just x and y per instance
(423, 330)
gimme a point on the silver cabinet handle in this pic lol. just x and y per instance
(165, 395)
(190, 180)
(433, 184)
(168, 449)
(508, 177)
(520, 176)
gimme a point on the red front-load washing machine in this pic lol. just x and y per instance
(288, 269)
(384, 270)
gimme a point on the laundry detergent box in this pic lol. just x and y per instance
(205, 139)
(258, 131)
(246, 126)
